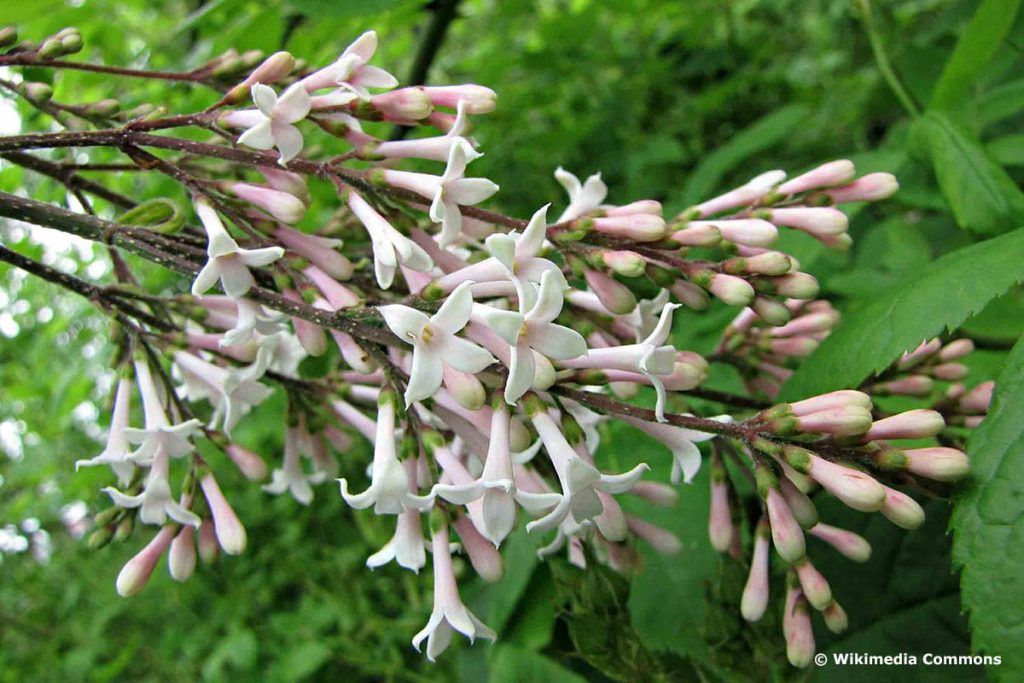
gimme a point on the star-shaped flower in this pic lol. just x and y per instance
(274, 120)
(352, 70)
(228, 262)
(159, 435)
(291, 477)
(155, 501)
(390, 247)
(117, 453)
(434, 342)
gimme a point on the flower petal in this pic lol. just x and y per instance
(465, 355)
(454, 312)
(407, 323)
(520, 373)
(425, 377)
(293, 105)
(549, 301)
(468, 191)
(259, 136)
(374, 77)
(558, 342)
(264, 97)
(288, 140)
(532, 239)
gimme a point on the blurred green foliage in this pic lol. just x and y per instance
(670, 100)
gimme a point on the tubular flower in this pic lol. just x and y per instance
(434, 342)
(228, 262)
(272, 124)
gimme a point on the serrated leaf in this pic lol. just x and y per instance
(983, 198)
(979, 43)
(942, 295)
(763, 134)
(988, 525)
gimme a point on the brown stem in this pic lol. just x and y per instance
(30, 59)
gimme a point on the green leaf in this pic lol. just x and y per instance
(976, 47)
(342, 9)
(984, 199)
(763, 134)
(942, 295)
(1000, 103)
(988, 525)
(1007, 150)
(512, 664)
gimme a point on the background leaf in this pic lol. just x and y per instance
(942, 295)
(988, 525)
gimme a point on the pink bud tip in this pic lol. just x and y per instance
(939, 463)
(786, 532)
(870, 188)
(913, 424)
(249, 463)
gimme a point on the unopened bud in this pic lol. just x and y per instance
(478, 99)
(720, 527)
(949, 372)
(699, 235)
(8, 36)
(614, 295)
(915, 385)
(813, 584)
(772, 311)
(807, 324)
(901, 509)
(730, 289)
(870, 188)
(656, 493)
(855, 488)
(465, 388)
(938, 463)
(181, 560)
(71, 42)
(640, 227)
(978, 399)
(485, 558)
(755, 592)
(956, 349)
(925, 349)
(625, 263)
(37, 93)
(751, 232)
(230, 532)
(136, 572)
(913, 424)
(208, 547)
(851, 545)
(283, 206)
(799, 634)
(802, 506)
(835, 617)
(662, 540)
(826, 175)
(404, 104)
(796, 285)
(249, 463)
(103, 108)
(690, 295)
(787, 535)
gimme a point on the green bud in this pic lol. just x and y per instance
(37, 93)
(533, 405)
(107, 517)
(105, 107)
(124, 529)
(71, 43)
(99, 538)
(50, 49)
(797, 458)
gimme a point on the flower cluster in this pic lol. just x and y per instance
(482, 356)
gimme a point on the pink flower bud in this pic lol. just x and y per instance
(756, 591)
(786, 532)
(949, 372)
(286, 181)
(771, 311)
(485, 558)
(752, 232)
(834, 399)
(720, 528)
(135, 573)
(855, 488)
(181, 560)
(939, 463)
(404, 104)
(802, 506)
(479, 100)
(816, 221)
(702, 235)
(273, 69)
(916, 385)
(338, 295)
(690, 295)
(208, 548)
(956, 349)
(973, 421)
(229, 529)
(798, 631)
(656, 493)
(846, 542)
(464, 388)
(870, 188)
(826, 175)
(807, 324)
(840, 242)
(640, 227)
(813, 584)
(768, 263)
(901, 509)
(662, 540)
(614, 295)
(730, 289)
(835, 617)
(283, 206)
(320, 251)
(913, 424)
(925, 349)
(625, 263)
(311, 336)
(978, 399)
(798, 347)
(249, 464)
(642, 206)
(745, 195)
(441, 120)
(796, 285)
(845, 421)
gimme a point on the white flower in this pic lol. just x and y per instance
(407, 547)
(252, 317)
(159, 434)
(352, 71)
(580, 481)
(513, 254)
(495, 513)
(234, 394)
(389, 481)
(644, 318)
(538, 333)
(449, 613)
(582, 198)
(227, 261)
(291, 477)
(682, 442)
(275, 120)
(434, 342)
(651, 357)
(448, 191)
(155, 500)
(390, 247)
(117, 453)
